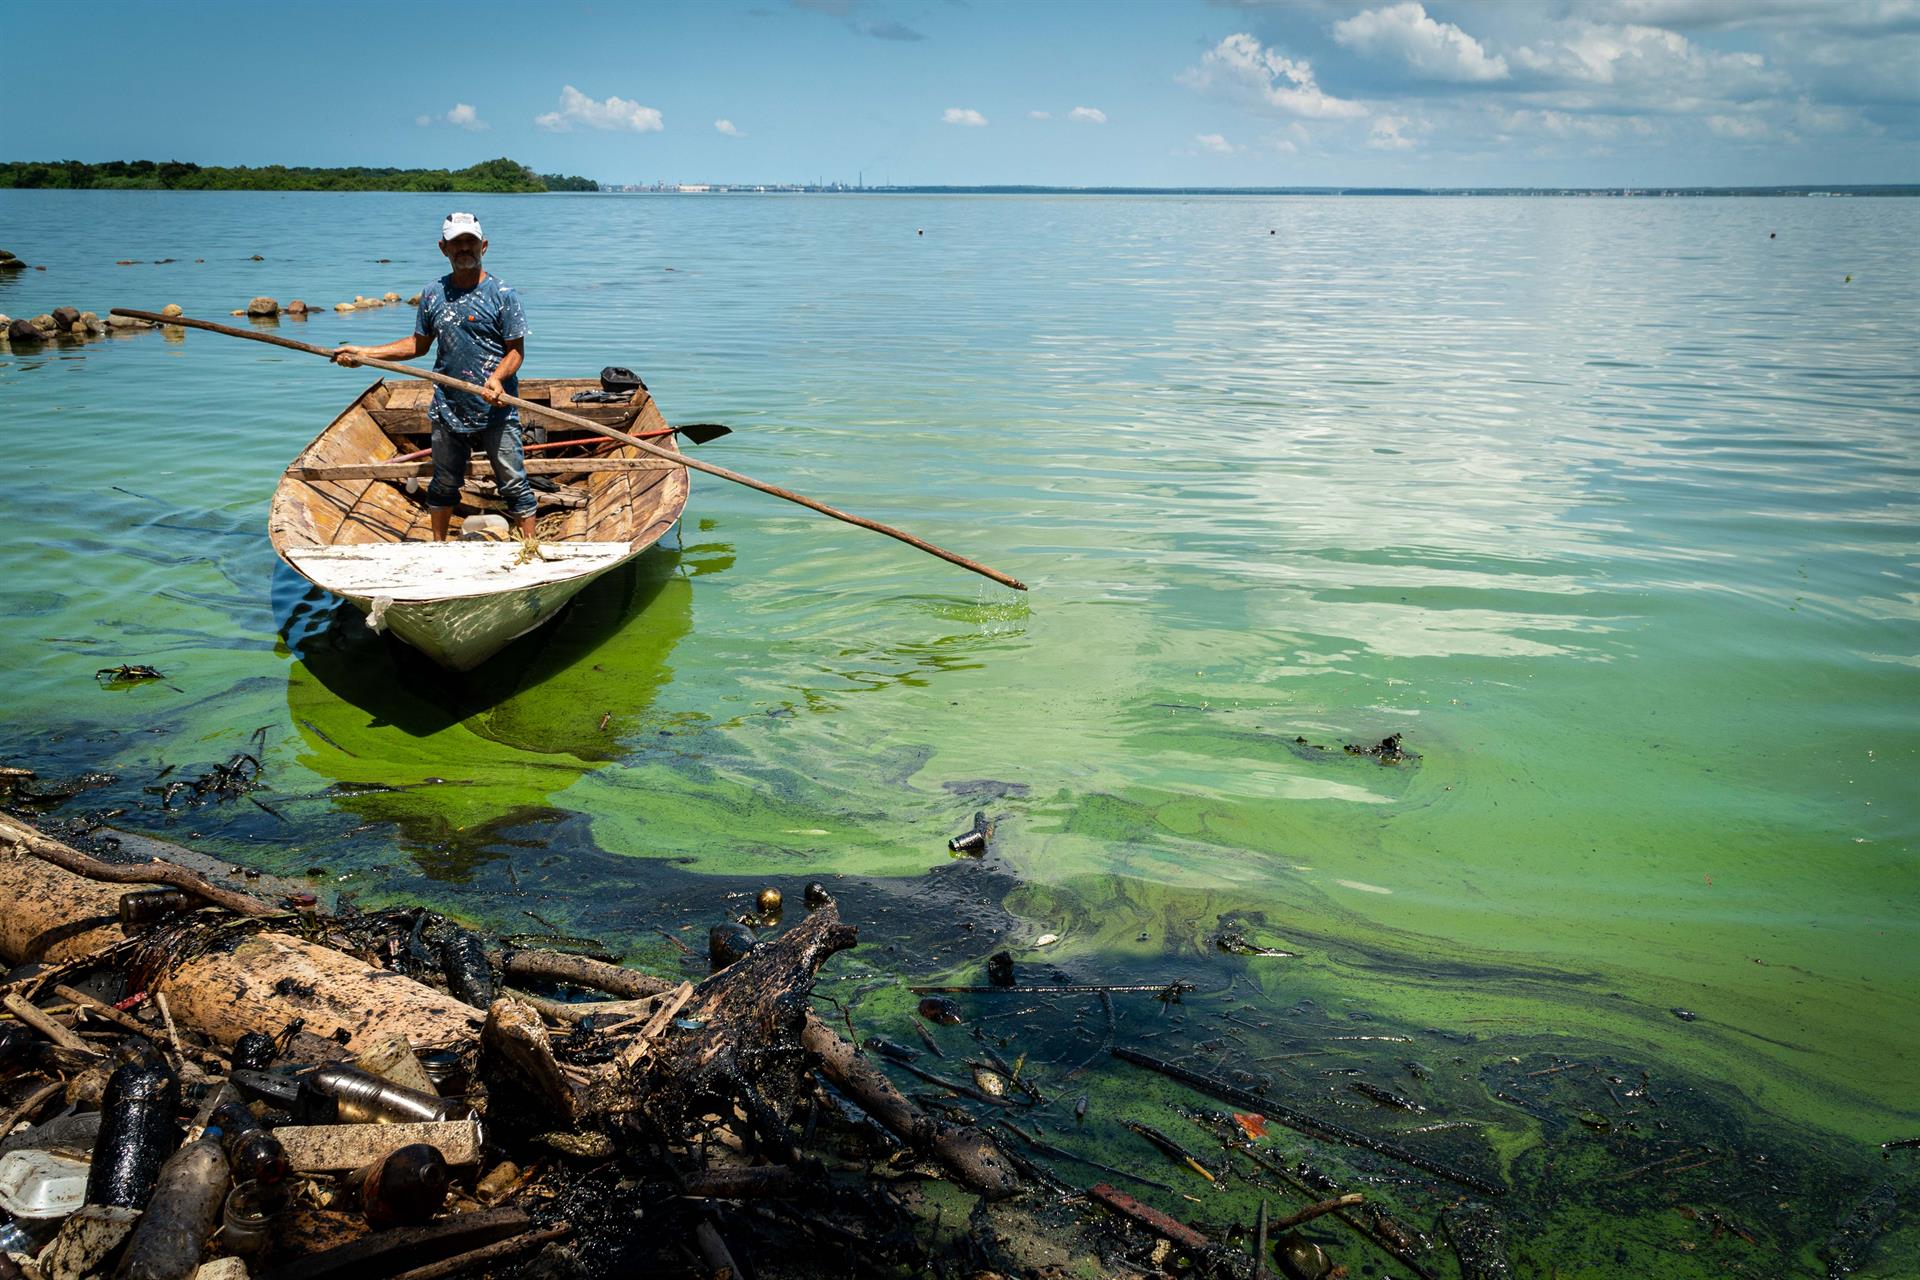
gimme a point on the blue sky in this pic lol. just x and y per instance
(1067, 92)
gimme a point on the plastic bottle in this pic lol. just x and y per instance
(256, 1156)
(172, 1233)
(138, 1130)
(13, 1239)
(406, 1185)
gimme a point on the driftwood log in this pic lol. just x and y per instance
(252, 981)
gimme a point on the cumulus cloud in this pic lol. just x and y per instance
(462, 116)
(1814, 118)
(1213, 142)
(1438, 50)
(1737, 126)
(1239, 65)
(1651, 60)
(614, 114)
(726, 127)
(1088, 115)
(1385, 134)
(1860, 15)
(963, 115)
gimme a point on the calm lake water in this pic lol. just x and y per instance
(1608, 507)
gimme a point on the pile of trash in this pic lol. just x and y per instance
(396, 1109)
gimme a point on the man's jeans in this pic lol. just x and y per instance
(452, 449)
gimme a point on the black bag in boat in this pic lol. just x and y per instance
(614, 378)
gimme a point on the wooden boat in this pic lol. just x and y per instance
(351, 518)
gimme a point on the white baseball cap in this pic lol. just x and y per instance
(460, 224)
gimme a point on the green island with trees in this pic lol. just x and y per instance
(500, 176)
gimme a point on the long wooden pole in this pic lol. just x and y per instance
(583, 424)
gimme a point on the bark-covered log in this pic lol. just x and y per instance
(221, 988)
(968, 1153)
(736, 1041)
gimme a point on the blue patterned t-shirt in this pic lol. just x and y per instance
(471, 329)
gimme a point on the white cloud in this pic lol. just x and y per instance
(1656, 63)
(1241, 66)
(1818, 119)
(964, 115)
(726, 127)
(1214, 142)
(1437, 49)
(615, 113)
(1386, 134)
(1859, 15)
(1737, 126)
(1039, 115)
(1088, 115)
(462, 116)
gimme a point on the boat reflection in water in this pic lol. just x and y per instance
(451, 758)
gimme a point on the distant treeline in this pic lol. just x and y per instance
(502, 175)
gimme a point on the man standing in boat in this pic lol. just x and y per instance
(481, 335)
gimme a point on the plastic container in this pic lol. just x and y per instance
(246, 1223)
(38, 1185)
(138, 1131)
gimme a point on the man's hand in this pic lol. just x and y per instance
(493, 392)
(344, 356)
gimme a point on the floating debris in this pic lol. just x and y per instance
(1847, 1249)
(972, 843)
(815, 895)
(728, 942)
(1685, 1015)
(1046, 940)
(989, 1082)
(124, 674)
(1385, 1097)
(1233, 940)
(767, 903)
(1000, 969)
(1473, 1229)
(941, 1010)
(1301, 1259)
(1387, 751)
(889, 1050)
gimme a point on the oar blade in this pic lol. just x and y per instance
(702, 432)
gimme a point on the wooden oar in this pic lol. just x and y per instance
(585, 424)
(695, 432)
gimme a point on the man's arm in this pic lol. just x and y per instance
(406, 348)
(508, 366)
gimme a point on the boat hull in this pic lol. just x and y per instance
(349, 516)
(461, 634)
